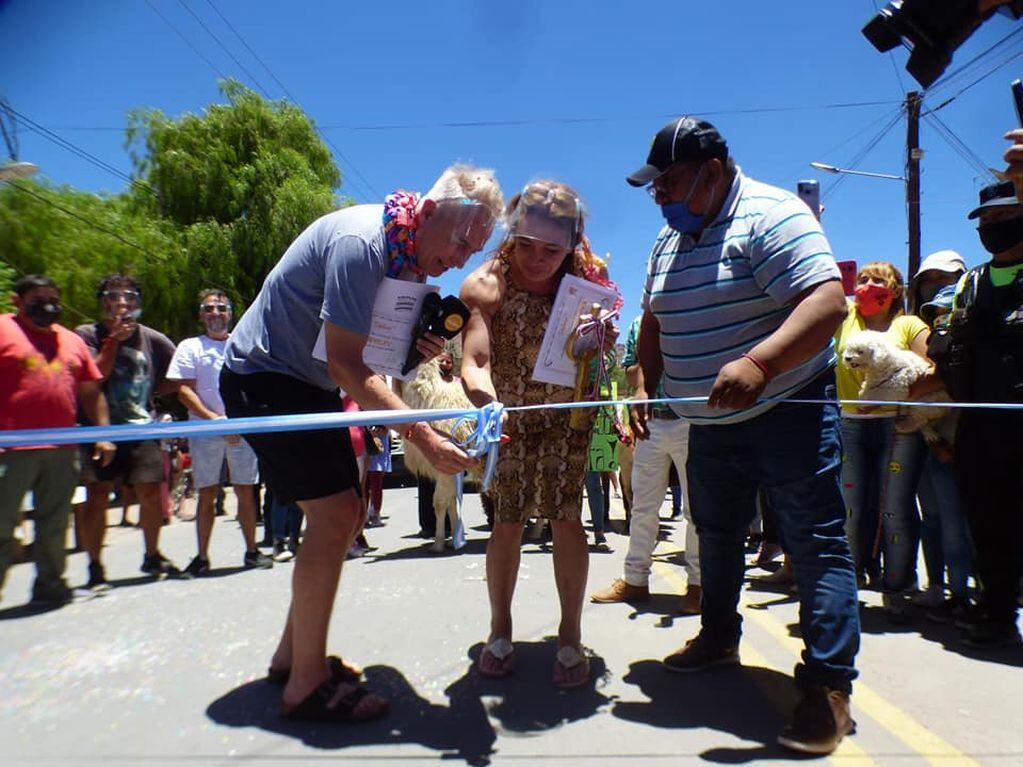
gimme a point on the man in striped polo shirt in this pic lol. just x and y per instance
(741, 300)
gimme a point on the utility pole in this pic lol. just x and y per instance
(913, 155)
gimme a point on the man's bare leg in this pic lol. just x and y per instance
(150, 514)
(204, 518)
(331, 525)
(94, 521)
(246, 495)
(504, 551)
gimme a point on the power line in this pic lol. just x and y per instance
(188, 42)
(958, 72)
(958, 145)
(52, 137)
(224, 48)
(254, 55)
(862, 154)
(984, 76)
(891, 55)
(503, 123)
(884, 118)
(525, 122)
(89, 222)
(341, 156)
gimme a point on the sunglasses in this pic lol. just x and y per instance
(127, 295)
(210, 308)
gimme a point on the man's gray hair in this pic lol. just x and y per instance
(467, 182)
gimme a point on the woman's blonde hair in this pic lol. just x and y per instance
(558, 201)
(883, 270)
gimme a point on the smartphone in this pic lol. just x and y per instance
(1017, 99)
(810, 192)
(848, 271)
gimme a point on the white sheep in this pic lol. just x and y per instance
(428, 391)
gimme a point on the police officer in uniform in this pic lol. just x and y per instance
(980, 358)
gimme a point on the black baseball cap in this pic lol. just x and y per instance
(685, 138)
(997, 195)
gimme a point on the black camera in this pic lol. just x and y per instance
(933, 29)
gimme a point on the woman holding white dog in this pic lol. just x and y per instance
(875, 487)
(541, 471)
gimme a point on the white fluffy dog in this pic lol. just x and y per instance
(429, 391)
(888, 372)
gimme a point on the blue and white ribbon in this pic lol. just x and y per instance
(486, 435)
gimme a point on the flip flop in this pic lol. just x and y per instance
(501, 650)
(567, 659)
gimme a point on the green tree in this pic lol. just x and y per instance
(7, 279)
(216, 200)
(241, 181)
(77, 237)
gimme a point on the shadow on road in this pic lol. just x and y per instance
(413, 719)
(748, 702)
(526, 701)
(473, 546)
(875, 620)
(466, 729)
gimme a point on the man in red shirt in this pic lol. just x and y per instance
(45, 372)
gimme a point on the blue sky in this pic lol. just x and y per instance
(577, 89)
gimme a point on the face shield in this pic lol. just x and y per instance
(549, 215)
(471, 222)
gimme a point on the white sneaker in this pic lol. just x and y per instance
(281, 552)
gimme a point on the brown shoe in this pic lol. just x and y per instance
(819, 723)
(689, 603)
(620, 591)
(701, 652)
(783, 577)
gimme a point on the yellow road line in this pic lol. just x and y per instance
(850, 754)
(929, 745)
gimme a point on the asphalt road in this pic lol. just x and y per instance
(172, 672)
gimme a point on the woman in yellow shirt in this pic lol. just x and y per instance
(871, 444)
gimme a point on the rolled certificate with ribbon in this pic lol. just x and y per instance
(583, 343)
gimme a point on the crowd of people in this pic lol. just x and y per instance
(744, 324)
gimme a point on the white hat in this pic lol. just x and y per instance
(942, 261)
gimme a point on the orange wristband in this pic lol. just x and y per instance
(760, 365)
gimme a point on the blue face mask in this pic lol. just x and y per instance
(679, 217)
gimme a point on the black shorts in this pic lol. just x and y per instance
(134, 463)
(297, 465)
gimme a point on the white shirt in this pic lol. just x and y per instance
(200, 359)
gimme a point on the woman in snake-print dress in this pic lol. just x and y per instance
(541, 471)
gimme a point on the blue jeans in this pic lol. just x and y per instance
(286, 520)
(945, 535)
(794, 452)
(596, 499)
(868, 445)
(900, 519)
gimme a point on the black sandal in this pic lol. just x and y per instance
(338, 670)
(316, 707)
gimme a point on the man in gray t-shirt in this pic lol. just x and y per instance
(327, 281)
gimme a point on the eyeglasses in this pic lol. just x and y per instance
(116, 295)
(663, 185)
(210, 308)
